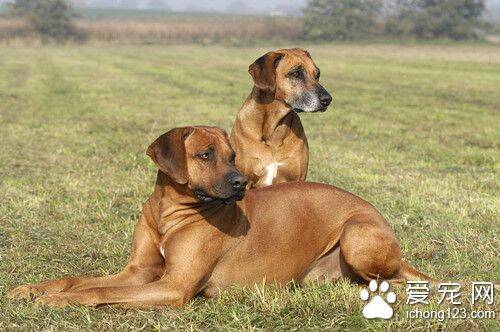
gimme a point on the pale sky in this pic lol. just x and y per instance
(249, 6)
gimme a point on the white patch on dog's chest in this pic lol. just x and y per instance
(271, 171)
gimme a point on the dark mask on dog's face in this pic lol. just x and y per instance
(202, 159)
(293, 77)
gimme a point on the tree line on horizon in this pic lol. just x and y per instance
(323, 20)
(423, 19)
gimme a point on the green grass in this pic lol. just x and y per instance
(413, 129)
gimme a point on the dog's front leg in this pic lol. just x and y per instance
(145, 265)
(156, 294)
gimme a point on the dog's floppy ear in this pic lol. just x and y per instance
(169, 153)
(263, 70)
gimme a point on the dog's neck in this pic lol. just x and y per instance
(268, 112)
(177, 206)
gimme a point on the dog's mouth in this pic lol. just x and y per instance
(203, 197)
(317, 110)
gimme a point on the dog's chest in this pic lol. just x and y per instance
(270, 172)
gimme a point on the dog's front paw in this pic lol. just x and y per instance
(58, 300)
(27, 292)
(61, 300)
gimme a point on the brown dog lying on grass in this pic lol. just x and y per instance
(199, 233)
(267, 136)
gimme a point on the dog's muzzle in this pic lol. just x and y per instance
(203, 197)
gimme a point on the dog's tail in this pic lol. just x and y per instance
(408, 272)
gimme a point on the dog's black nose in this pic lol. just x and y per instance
(237, 180)
(325, 99)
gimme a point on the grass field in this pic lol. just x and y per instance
(413, 129)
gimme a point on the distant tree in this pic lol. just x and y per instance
(50, 18)
(340, 19)
(456, 19)
(22, 7)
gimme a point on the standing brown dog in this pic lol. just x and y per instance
(194, 238)
(268, 138)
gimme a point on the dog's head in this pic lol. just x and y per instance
(293, 77)
(201, 159)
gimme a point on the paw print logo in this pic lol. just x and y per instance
(377, 307)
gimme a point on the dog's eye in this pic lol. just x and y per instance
(207, 154)
(316, 77)
(297, 73)
(232, 158)
(204, 155)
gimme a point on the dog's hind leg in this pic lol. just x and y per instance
(329, 267)
(369, 247)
